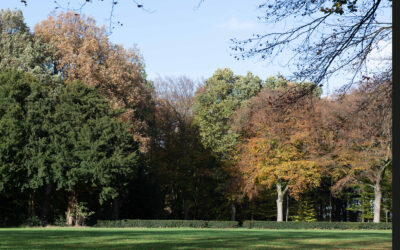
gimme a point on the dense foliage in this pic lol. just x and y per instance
(85, 137)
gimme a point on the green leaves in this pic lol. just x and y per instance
(93, 147)
(75, 139)
(221, 95)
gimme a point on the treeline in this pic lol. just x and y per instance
(85, 136)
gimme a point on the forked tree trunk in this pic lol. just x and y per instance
(377, 202)
(279, 200)
(72, 202)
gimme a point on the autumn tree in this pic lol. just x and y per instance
(278, 144)
(82, 51)
(363, 145)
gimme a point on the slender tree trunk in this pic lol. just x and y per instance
(287, 207)
(115, 204)
(279, 200)
(46, 203)
(72, 201)
(31, 203)
(386, 213)
(377, 202)
(233, 214)
(330, 207)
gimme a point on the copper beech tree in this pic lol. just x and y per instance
(83, 52)
(361, 125)
(278, 144)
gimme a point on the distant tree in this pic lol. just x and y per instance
(21, 50)
(82, 51)
(215, 104)
(185, 170)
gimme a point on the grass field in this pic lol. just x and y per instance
(189, 238)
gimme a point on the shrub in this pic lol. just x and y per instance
(32, 221)
(60, 221)
(316, 225)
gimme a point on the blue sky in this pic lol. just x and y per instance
(177, 39)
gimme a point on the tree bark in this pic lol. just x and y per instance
(279, 200)
(377, 202)
(71, 209)
(233, 214)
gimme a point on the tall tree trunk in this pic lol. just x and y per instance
(233, 214)
(115, 204)
(71, 209)
(378, 190)
(46, 204)
(287, 207)
(279, 200)
(31, 203)
(377, 202)
(330, 206)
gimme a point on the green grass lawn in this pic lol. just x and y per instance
(189, 238)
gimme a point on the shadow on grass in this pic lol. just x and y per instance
(89, 238)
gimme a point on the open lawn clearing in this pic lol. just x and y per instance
(189, 238)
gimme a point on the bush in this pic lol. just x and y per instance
(60, 221)
(316, 225)
(32, 221)
(166, 223)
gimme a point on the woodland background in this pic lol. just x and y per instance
(85, 136)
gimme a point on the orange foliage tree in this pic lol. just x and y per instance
(83, 51)
(361, 125)
(278, 146)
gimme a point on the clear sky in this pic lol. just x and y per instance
(176, 39)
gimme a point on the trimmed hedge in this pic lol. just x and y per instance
(222, 224)
(246, 224)
(167, 223)
(316, 225)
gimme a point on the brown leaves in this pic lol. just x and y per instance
(281, 144)
(83, 52)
